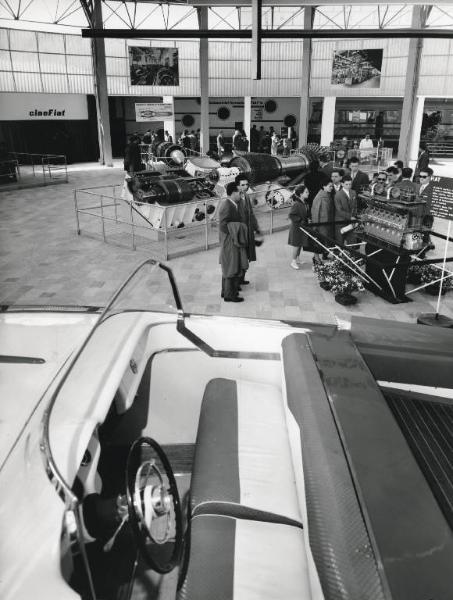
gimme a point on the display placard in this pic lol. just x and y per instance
(151, 112)
(442, 197)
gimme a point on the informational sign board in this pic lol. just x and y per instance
(152, 112)
(43, 107)
(442, 197)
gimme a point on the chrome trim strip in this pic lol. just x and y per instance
(25, 360)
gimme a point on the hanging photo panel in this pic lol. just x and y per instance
(357, 68)
(153, 66)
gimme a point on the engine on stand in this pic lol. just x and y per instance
(394, 225)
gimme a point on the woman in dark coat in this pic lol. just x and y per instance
(299, 216)
(322, 211)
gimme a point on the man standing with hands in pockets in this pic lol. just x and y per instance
(247, 216)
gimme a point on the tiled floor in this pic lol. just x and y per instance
(44, 261)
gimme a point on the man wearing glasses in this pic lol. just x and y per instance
(380, 187)
(425, 190)
(425, 187)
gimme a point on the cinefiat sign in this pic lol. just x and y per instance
(43, 107)
(51, 112)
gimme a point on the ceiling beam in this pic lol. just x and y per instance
(267, 33)
(256, 39)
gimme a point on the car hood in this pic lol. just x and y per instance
(48, 339)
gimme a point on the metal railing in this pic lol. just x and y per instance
(168, 231)
(36, 165)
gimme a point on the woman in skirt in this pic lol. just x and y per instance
(299, 216)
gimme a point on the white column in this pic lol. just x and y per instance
(204, 81)
(416, 130)
(170, 125)
(247, 116)
(304, 111)
(328, 120)
(411, 87)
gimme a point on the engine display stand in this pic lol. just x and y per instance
(392, 279)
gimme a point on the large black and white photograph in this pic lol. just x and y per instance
(153, 66)
(357, 68)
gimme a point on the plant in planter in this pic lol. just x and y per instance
(340, 280)
(425, 274)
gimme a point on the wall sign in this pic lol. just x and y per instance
(152, 112)
(442, 197)
(43, 107)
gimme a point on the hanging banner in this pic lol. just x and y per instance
(149, 112)
(440, 197)
(153, 66)
(357, 68)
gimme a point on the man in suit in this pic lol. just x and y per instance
(409, 189)
(422, 161)
(325, 165)
(229, 253)
(345, 202)
(360, 180)
(336, 179)
(425, 190)
(247, 216)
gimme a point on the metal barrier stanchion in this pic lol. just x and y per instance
(165, 233)
(77, 212)
(132, 226)
(102, 216)
(115, 203)
(206, 218)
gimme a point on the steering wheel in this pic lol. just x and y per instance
(154, 507)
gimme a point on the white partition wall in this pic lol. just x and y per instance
(328, 120)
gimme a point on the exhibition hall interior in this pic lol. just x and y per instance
(226, 293)
(82, 114)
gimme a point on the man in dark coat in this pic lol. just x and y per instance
(254, 139)
(232, 261)
(322, 211)
(247, 216)
(422, 161)
(360, 180)
(132, 156)
(345, 203)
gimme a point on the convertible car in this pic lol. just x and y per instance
(150, 453)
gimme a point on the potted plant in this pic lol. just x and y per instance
(425, 274)
(336, 277)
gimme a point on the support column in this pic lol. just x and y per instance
(247, 116)
(411, 86)
(170, 125)
(304, 111)
(204, 81)
(100, 90)
(416, 130)
(328, 120)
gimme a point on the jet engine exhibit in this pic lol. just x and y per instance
(178, 190)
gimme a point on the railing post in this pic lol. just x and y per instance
(114, 202)
(77, 212)
(165, 234)
(102, 216)
(206, 216)
(132, 225)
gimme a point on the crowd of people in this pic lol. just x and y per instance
(330, 197)
(267, 141)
